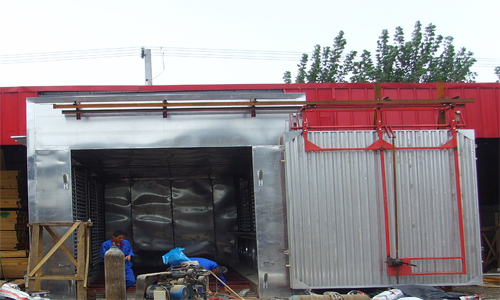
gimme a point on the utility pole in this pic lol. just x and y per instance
(146, 54)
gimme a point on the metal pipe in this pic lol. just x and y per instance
(396, 234)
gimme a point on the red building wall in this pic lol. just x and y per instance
(483, 115)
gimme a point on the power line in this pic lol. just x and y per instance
(226, 53)
(156, 51)
(175, 52)
(68, 55)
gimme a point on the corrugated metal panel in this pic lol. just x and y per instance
(333, 214)
(468, 177)
(484, 115)
(335, 202)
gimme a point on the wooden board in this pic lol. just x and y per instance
(8, 179)
(8, 220)
(8, 184)
(13, 267)
(491, 280)
(8, 174)
(4, 225)
(8, 240)
(14, 253)
(10, 203)
(9, 193)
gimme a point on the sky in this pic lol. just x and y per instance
(215, 41)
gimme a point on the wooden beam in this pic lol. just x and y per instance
(63, 248)
(35, 261)
(57, 277)
(54, 248)
(81, 257)
(35, 253)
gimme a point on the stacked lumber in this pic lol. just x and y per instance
(9, 190)
(13, 263)
(492, 280)
(13, 227)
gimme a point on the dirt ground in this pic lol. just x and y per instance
(490, 290)
(487, 292)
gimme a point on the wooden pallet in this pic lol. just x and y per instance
(37, 260)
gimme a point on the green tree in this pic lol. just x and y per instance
(497, 72)
(427, 57)
(327, 64)
(301, 74)
(287, 77)
(363, 69)
(315, 69)
(333, 66)
(385, 59)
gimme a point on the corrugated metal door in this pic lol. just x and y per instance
(353, 206)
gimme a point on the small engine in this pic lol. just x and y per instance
(177, 283)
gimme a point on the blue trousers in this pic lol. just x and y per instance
(129, 278)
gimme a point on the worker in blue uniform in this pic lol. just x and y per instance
(214, 267)
(118, 240)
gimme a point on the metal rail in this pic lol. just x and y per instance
(115, 106)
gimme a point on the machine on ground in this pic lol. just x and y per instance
(176, 283)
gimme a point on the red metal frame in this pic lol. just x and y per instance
(450, 111)
(379, 126)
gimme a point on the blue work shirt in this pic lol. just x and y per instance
(209, 265)
(127, 250)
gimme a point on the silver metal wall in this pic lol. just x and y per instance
(270, 219)
(151, 220)
(50, 128)
(159, 215)
(166, 198)
(49, 200)
(162, 197)
(336, 213)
